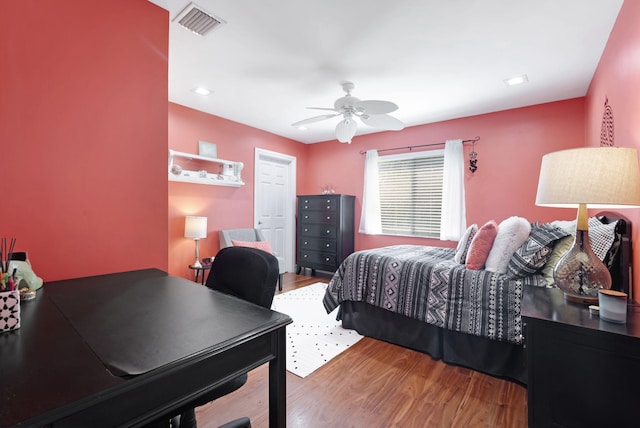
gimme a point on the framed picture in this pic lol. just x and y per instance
(209, 150)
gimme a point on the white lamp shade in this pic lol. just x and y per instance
(602, 177)
(195, 227)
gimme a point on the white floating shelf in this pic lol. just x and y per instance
(225, 173)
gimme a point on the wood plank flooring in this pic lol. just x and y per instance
(376, 384)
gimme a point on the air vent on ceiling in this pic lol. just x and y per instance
(195, 19)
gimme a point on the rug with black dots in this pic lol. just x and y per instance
(315, 337)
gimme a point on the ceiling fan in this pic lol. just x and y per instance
(373, 113)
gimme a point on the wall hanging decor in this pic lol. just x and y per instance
(473, 158)
(606, 132)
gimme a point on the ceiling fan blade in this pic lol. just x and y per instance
(314, 119)
(322, 108)
(383, 121)
(376, 106)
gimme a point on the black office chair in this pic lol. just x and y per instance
(251, 275)
(245, 272)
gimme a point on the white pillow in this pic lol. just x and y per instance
(464, 244)
(512, 233)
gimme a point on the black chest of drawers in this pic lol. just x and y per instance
(325, 231)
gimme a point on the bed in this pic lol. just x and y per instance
(425, 299)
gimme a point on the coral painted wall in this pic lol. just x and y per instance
(225, 207)
(83, 134)
(618, 80)
(509, 154)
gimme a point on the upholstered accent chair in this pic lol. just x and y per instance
(246, 235)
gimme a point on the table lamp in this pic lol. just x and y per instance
(601, 177)
(195, 228)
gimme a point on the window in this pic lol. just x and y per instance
(411, 193)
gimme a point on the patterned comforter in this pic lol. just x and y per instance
(425, 283)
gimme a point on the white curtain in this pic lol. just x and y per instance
(453, 221)
(370, 219)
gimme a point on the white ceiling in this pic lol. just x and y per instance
(437, 60)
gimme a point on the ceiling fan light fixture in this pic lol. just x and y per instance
(346, 130)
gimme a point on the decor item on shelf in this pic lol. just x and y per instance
(602, 177)
(209, 150)
(196, 228)
(370, 112)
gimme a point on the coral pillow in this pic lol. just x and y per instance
(481, 245)
(512, 233)
(260, 245)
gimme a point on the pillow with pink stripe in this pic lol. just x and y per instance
(481, 245)
(260, 245)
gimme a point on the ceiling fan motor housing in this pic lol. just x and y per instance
(347, 102)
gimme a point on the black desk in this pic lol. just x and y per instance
(122, 349)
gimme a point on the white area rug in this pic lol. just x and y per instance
(315, 337)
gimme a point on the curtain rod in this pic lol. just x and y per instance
(474, 140)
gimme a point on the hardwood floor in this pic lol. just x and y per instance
(377, 384)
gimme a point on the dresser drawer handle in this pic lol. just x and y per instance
(326, 259)
(328, 231)
(306, 216)
(306, 207)
(328, 245)
(305, 256)
(306, 242)
(328, 207)
(306, 230)
(328, 217)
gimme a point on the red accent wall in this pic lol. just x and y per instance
(225, 207)
(509, 155)
(83, 134)
(618, 79)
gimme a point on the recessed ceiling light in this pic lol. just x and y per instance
(302, 128)
(201, 90)
(516, 80)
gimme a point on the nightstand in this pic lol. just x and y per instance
(581, 371)
(201, 271)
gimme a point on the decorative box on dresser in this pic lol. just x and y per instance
(325, 231)
(582, 371)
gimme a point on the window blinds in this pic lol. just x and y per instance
(411, 193)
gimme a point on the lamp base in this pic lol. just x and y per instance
(580, 273)
(583, 300)
(197, 263)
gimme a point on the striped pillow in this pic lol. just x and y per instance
(533, 254)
